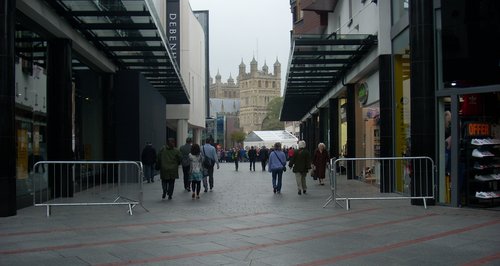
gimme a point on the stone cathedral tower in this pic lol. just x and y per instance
(257, 89)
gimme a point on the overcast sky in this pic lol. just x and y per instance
(241, 29)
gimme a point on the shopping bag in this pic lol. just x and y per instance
(313, 174)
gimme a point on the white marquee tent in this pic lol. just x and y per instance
(268, 138)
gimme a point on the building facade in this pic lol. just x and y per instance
(226, 114)
(413, 59)
(220, 90)
(190, 42)
(74, 89)
(257, 89)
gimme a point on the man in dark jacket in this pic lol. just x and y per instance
(185, 162)
(301, 163)
(252, 156)
(148, 159)
(263, 157)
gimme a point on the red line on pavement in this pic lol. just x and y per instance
(49, 231)
(149, 238)
(398, 245)
(484, 260)
(260, 246)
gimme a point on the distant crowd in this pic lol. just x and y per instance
(242, 154)
(198, 163)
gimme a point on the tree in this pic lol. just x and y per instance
(272, 120)
(238, 136)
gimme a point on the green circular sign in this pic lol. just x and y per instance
(363, 93)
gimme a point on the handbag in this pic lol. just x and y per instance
(207, 161)
(313, 174)
(284, 166)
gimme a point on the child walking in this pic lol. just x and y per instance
(195, 170)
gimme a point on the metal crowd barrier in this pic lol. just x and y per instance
(389, 178)
(87, 183)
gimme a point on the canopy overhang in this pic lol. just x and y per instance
(319, 5)
(130, 34)
(317, 63)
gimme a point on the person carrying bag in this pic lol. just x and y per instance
(277, 165)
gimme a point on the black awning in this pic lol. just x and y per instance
(316, 64)
(126, 32)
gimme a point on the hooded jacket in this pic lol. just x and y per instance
(169, 160)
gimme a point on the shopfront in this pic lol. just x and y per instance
(61, 97)
(468, 103)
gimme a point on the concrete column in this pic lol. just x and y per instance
(182, 132)
(323, 121)
(109, 118)
(315, 133)
(351, 129)
(333, 108)
(386, 120)
(422, 88)
(8, 205)
(59, 111)
(197, 135)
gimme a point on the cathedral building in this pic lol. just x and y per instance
(257, 88)
(222, 90)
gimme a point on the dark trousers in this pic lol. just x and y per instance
(252, 164)
(149, 172)
(185, 172)
(196, 186)
(168, 186)
(210, 179)
(263, 162)
(277, 179)
(236, 164)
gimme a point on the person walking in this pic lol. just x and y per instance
(236, 157)
(148, 159)
(168, 161)
(277, 162)
(252, 156)
(301, 163)
(290, 153)
(195, 170)
(319, 162)
(264, 156)
(209, 151)
(186, 164)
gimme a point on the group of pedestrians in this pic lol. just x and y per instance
(300, 163)
(197, 166)
(198, 163)
(253, 155)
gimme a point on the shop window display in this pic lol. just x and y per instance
(479, 173)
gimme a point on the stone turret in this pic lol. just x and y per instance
(242, 68)
(277, 68)
(253, 66)
(218, 78)
(265, 68)
(230, 80)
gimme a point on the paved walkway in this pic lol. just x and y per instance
(241, 222)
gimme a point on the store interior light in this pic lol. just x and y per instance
(453, 84)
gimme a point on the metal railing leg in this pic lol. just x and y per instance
(328, 201)
(130, 209)
(48, 210)
(425, 203)
(347, 204)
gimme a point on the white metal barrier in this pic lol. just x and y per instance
(87, 183)
(388, 178)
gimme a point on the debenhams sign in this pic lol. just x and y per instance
(173, 28)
